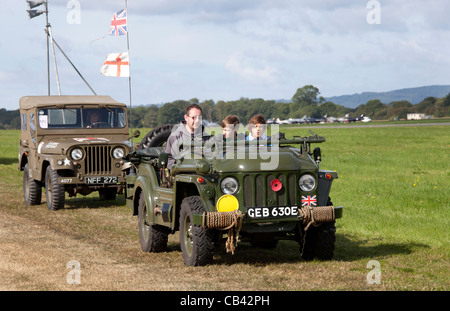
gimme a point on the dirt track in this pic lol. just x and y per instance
(36, 246)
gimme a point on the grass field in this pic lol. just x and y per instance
(393, 184)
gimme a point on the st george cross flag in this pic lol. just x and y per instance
(116, 65)
(119, 23)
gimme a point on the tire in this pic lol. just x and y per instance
(107, 194)
(197, 244)
(54, 192)
(319, 241)
(153, 238)
(156, 137)
(32, 189)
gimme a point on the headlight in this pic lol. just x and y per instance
(229, 185)
(118, 153)
(76, 154)
(307, 182)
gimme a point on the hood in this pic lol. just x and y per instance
(280, 159)
(60, 145)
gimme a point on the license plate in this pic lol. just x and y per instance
(272, 212)
(102, 180)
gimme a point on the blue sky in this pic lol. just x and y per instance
(228, 49)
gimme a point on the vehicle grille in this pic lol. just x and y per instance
(98, 160)
(258, 192)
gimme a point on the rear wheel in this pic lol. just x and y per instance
(54, 192)
(153, 238)
(197, 244)
(32, 189)
(107, 194)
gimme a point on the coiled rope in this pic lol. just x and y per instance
(318, 214)
(231, 221)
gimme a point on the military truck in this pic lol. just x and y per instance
(72, 144)
(247, 191)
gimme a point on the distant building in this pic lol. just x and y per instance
(415, 116)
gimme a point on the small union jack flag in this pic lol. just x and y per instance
(308, 200)
(119, 24)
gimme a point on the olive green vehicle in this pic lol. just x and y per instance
(72, 144)
(241, 191)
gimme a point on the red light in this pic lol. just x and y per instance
(200, 180)
(328, 176)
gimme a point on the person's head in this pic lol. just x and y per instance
(257, 125)
(93, 116)
(193, 117)
(229, 126)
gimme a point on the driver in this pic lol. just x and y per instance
(187, 129)
(93, 117)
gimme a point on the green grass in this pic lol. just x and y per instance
(393, 184)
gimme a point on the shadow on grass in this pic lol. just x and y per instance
(346, 249)
(350, 248)
(285, 252)
(8, 161)
(91, 202)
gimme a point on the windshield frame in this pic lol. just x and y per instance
(75, 118)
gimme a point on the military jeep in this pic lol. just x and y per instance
(72, 144)
(258, 192)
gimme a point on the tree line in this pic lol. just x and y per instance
(306, 101)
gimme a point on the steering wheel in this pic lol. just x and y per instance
(98, 125)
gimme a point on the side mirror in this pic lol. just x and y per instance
(317, 155)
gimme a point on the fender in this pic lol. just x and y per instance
(325, 179)
(144, 182)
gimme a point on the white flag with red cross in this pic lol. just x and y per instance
(116, 65)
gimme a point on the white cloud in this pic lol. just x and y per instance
(250, 69)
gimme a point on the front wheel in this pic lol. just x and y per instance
(319, 242)
(54, 192)
(197, 244)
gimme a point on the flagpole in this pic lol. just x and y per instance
(48, 53)
(129, 75)
(54, 59)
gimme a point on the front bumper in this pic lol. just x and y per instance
(227, 220)
(92, 180)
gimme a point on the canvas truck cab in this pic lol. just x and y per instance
(71, 144)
